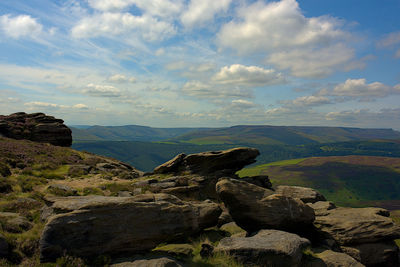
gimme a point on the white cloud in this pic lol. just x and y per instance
(109, 5)
(359, 88)
(36, 104)
(120, 78)
(206, 90)
(80, 106)
(307, 101)
(314, 63)
(102, 90)
(244, 104)
(123, 24)
(201, 11)
(20, 26)
(248, 76)
(287, 38)
(390, 40)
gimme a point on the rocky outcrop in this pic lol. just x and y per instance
(307, 195)
(322, 208)
(14, 223)
(95, 225)
(222, 163)
(266, 248)
(254, 208)
(357, 225)
(36, 127)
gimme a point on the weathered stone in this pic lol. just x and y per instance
(254, 208)
(124, 194)
(375, 254)
(36, 127)
(120, 169)
(226, 162)
(208, 213)
(329, 258)
(266, 248)
(79, 170)
(96, 225)
(307, 195)
(224, 218)
(14, 223)
(357, 225)
(179, 250)
(321, 208)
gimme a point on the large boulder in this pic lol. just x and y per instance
(266, 248)
(357, 225)
(225, 163)
(95, 225)
(254, 208)
(36, 127)
(375, 254)
(156, 261)
(307, 195)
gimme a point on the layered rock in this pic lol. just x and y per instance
(254, 208)
(334, 259)
(161, 261)
(266, 248)
(96, 225)
(36, 127)
(225, 163)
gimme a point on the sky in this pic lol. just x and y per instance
(203, 63)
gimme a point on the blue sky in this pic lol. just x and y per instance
(169, 63)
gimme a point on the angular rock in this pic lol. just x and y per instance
(254, 208)
(375, 254)
(36, 127)
(96, 225)
(321, 208)
(224, 218)
(226, 162)
(266, 248)
(357, 225)
(307, 195)
(329, 258)
(176, 250)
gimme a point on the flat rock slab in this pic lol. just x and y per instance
(357, 225)
(94, 225)
(330, 258)
(152, 262)
(266, 248)
(254, 208)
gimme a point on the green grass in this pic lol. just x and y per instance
(257, 170)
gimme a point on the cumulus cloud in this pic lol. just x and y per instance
(280, 30)
(120, 78)
(201, 11)
(206, 90)
(248, 76)
(20, 26)
(102, 90)
(390, 40)
(80, 106)
(116, 24)
(359, 88)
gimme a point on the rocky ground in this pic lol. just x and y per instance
(60, 207)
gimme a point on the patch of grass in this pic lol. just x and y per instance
(257, 170)
(114, 188)
(56, 174)
(92, 191)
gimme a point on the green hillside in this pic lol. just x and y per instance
(345, 180)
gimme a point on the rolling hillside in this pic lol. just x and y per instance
(284, 135)
(345, 180)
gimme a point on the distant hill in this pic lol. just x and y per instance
(126, 133)
(284, 135)
(243, 134)
(147, 155)
(345, 180)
